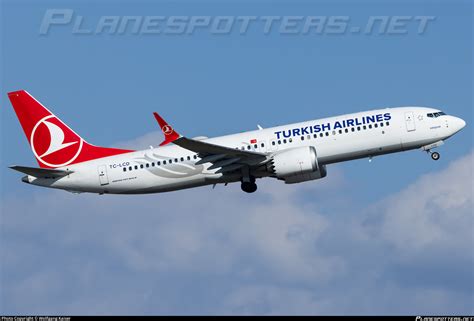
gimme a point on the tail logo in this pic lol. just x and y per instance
(167, 130)
(55, 151)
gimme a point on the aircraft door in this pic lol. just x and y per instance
(103, 178)
(410, 121)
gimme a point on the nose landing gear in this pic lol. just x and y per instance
(427, 148)
(435, 156)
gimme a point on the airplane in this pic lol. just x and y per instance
(292, 153)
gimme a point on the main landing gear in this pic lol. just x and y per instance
(249, 187)
(248, 181)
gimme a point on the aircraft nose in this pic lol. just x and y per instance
(459, 123)
(456, 123)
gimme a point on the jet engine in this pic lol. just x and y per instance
(297, 165)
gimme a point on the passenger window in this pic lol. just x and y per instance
(340, 131)
(315, 135)
(175, 160)
(302, 137)
(387, 123)
(273, 143)
(164, 162)
(279, 142)
(327, 133)
(381, 124)
(130, 168)
(195, 157)
(141, 166)
(376, 125)
(321, 135)
(353, 129)
(158, 163)
(334, 132)
(262, 145)
(189, 158)
(153, 164)
(346, 130)
(364, 127)
(358, 127)
(255, 146)
(136, 167)
(124, 169)
(284, 141)
(370, 126)
(147, 165)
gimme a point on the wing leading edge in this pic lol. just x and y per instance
(225, 158)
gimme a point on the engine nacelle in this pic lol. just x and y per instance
(297, 165)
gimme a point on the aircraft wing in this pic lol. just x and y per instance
(41, 172)
(222, 157)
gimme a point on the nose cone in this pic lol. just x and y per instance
(459, 123)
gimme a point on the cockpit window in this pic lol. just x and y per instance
(434, 115)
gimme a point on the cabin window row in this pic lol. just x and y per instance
(159, 163)
(255, 146)
(249, 147)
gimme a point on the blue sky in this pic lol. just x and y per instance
(356, 242)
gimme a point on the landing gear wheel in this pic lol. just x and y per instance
(435, 156)
(248, 187)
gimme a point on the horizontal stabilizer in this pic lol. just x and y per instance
(41, 172)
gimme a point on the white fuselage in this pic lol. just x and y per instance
(138, 172)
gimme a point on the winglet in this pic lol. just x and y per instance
(170, 134)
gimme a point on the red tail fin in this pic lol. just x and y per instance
(53, 143)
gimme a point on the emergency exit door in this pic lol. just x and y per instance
(410, 121)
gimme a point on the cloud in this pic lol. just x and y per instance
(143, 142)
(288, 249)
(433, 212)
